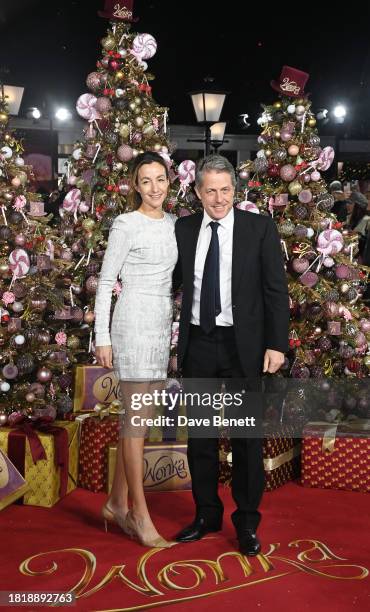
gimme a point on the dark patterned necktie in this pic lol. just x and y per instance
(210, 299)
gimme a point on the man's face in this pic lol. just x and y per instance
(216, 193)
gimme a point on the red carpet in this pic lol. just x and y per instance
(320, 562)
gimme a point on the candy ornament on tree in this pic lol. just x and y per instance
(325, 279)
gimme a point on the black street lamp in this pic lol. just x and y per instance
(207, 107)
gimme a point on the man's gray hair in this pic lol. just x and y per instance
(214, 162)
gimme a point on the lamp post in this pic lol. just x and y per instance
(13, 97)
(339, 113)
(217, 134)
(207, 107)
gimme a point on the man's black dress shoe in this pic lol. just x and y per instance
(197, 530)
(249, 544)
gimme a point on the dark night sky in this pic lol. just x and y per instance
(49, 47)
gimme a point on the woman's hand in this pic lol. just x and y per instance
(103, 356)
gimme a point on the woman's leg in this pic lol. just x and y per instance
(118, 497)
(133, 450)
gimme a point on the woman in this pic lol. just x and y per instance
(142, 251)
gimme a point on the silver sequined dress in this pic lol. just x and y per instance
(143, 252)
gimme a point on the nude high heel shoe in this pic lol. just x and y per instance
(134, 530)
(110, 517)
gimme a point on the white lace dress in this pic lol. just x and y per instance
(143, 252)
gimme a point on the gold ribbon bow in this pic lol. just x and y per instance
(329, 437)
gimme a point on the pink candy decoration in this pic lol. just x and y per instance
(330, 242)
(61, 338)
(19, 262)
(248, 206)
(19, 203)
(144, 46)
(325, 159)
(86, 107)
(186, 173)
(72, 200)
(8, 297)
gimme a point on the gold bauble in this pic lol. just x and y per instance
(149, 130)
(4, 269)
(139, 121)
(132, 106)
(277, 104)
(137, 100)
(108, 43)
(277, 134)
(119, 75)
(88, 224)
(124, 131)
(157, 146)
(299, 101)
(311, 122)
(73, 342)
(295, 188)
(268, 152)
(3, 118)
(344, 287)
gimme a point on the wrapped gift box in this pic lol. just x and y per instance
(93, 385)
(12, 484)
(97, 434)
(165, 467)
(50, 477)
(281, 458)
(337, 456)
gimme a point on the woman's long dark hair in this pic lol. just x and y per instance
(133, 197)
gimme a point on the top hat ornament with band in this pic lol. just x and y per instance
(291, 82)
(118, 10)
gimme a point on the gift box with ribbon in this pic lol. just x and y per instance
(165, 467)
(99, 429)
(281, 458)
(337, 456)
(46, 455)
(93, 385)
(12, 484)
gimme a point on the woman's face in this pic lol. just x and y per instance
(152, 185)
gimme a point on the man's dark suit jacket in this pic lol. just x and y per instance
(259, 289)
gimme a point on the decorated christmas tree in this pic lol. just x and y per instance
(31, 362)
(330, 326)
(122, 121)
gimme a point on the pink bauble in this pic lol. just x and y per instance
(10, 371)
(286, 136)
(315, 176)
(307, 178)
(184, 212)
(360, 339)
(72, 180)
(124, 153)
(288, 172)
(244, 175)
(293, 150)
(300, 265)
(83, 207)
(309, 279)
(20, 239)
(124, 186)
(342, 271)
(93, 81)
(365, 325)
(332, 309)
(103, 105)
(305, 196)
(16, 182)
(328, 262)
(91, 284)
(44, 375)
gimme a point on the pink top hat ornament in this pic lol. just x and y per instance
(291, 82)
(37, 209)
(118, 10)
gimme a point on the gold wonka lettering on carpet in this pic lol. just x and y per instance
(316, 560)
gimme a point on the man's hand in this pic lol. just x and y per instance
(103, 356)
(273, 360)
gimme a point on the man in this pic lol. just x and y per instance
(340, 206)
(234, 322)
